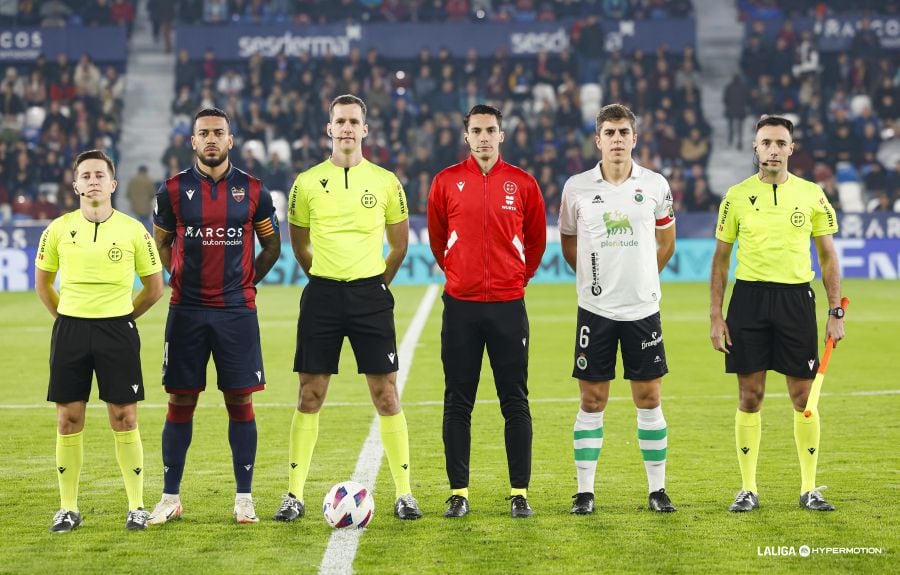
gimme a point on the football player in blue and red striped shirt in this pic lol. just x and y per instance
(204, 222)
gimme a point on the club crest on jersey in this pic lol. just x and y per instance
(510, 187)
(638, 196)
(238, 194)
(460, 185)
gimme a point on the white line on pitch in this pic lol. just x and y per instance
(342, 545)
(574, 398)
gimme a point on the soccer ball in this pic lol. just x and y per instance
(348, 504)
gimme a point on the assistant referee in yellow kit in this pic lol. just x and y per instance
(96, 251)
(339, 212)
(772, 313)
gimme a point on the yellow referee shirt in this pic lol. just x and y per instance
(97, 262)
(346, 210)
(773, 225)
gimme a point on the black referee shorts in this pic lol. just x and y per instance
(362, 310)
(773, 326)
(109, 347)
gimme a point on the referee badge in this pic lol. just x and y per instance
(238, 194)
(114, 254)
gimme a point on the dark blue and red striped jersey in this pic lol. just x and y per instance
(213, 222)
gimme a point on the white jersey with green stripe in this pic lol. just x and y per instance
(617, 275)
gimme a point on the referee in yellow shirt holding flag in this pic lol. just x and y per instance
(96, 250)
(771, 320)
(339, 211)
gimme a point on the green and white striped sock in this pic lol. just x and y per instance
(653, 441)
(588, 441)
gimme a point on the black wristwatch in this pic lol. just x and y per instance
(837, 312)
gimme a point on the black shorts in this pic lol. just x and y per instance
(362, 310)
(597, 339)
(231, 337)
(109, 347)
(470, 326)
(773, 326)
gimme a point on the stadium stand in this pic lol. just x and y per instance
(416, 104)
(51, 108)
(843, 100)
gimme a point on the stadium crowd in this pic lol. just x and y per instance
(844, 103)
(416, 105)
(49, 112)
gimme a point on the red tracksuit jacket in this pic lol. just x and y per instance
(487, 232)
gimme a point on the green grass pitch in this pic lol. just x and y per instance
(860, 433)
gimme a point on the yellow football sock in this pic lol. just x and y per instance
(747, 433)
(130, 455)
(523, 492)
(395, 438)
(464, 492)
(304, 434)
(806, 436)
(69, 457)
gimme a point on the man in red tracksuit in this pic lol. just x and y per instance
(487, 229)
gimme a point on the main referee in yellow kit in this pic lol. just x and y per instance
(771, 320)
(96, 250)
(339, 211)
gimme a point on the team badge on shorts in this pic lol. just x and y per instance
(238, 194)
(581, 362)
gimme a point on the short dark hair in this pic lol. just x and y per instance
(94, 155)
(215, 113)
(776, 121)
(484, 109)
(614, 113)
(347, 100)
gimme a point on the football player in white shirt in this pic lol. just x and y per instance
(617, 229)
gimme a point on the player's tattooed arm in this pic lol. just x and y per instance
(267, 256)
(164, 241)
